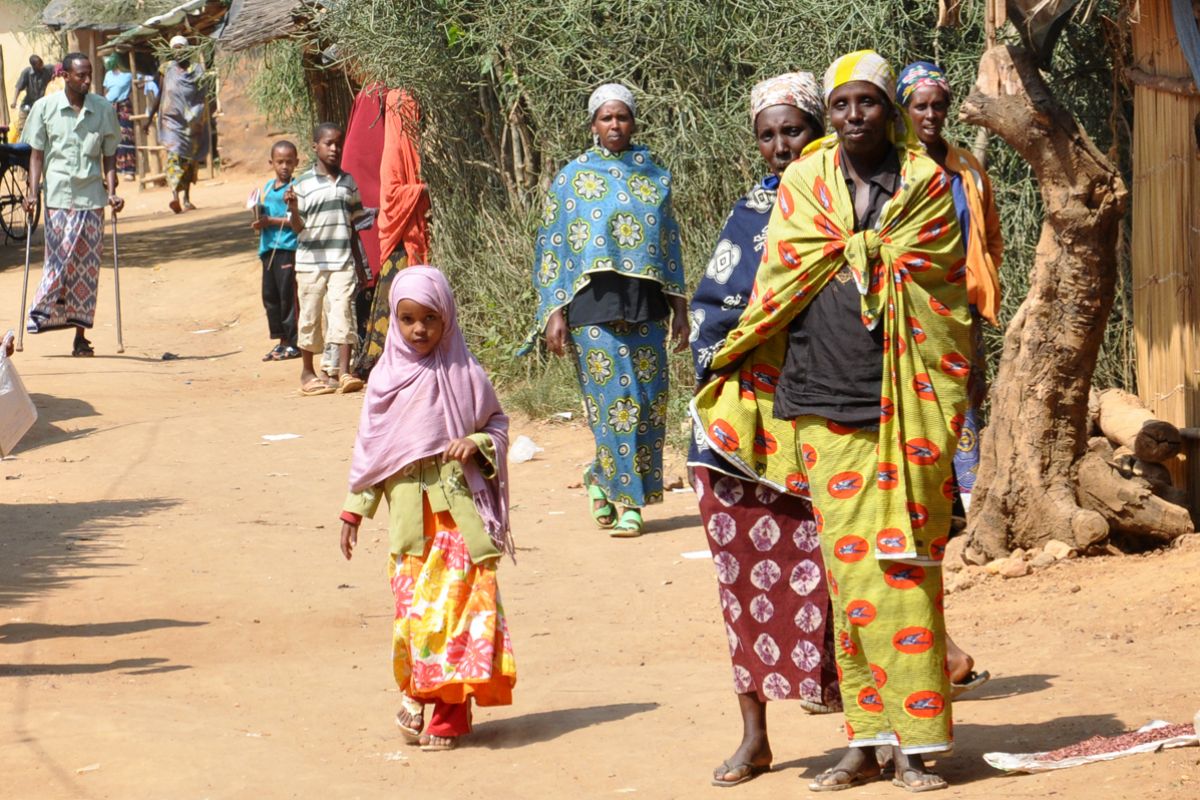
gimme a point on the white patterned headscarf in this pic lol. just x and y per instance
(611, 91)
(797, 89)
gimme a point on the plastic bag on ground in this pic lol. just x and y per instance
(523, 449)
(17, 411)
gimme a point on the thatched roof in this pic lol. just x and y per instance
(254, 22)
(62, 15)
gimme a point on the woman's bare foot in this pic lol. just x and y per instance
(410, 725)
(958, 661)
(856, 768)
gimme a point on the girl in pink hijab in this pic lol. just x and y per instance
(433, 440)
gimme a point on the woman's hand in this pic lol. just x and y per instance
(681, 331)
(556, 333)
(461, 450)
(349, 539)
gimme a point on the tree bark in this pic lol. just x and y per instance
(1039, 416)
(1131, 505)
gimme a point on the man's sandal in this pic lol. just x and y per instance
(274, 354)
(605, 515)
(630, 525)
(82, 348)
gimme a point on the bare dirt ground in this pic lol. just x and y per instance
(176, 621)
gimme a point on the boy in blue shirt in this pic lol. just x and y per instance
(277, 250)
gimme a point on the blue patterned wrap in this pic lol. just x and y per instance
(724, 292)
(605, 212)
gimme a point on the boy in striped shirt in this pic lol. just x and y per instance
(323, 205)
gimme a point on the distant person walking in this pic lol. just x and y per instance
(32, 81)
(74, 136)
(183, 127)
(118, 88)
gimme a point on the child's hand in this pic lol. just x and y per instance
(349, 539)
(462, 449)
(289, 197)
(259, 223)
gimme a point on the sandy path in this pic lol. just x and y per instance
(175, 621)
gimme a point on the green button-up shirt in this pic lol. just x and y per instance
(74, 143)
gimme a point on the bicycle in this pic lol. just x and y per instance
(14, 177)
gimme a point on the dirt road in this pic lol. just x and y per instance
(176, 621)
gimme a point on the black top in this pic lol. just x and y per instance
(834, 365)
(612, 297)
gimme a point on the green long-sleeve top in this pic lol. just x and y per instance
(445, 486)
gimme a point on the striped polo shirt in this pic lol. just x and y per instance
(329, 207)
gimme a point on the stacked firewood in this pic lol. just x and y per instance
(1124, 476)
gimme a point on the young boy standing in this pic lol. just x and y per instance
(323, 205)
(277, 251)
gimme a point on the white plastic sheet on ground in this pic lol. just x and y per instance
(1035, 762)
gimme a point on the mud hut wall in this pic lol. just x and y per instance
(1166, 230)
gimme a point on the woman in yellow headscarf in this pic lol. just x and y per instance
(855, 340)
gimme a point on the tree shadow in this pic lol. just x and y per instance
(971, 741)
(20, 632)
(213, 237)
(544, 726)
(1008, 686)
(51, 545)
(668, 524)
(218, 236)
(133, 666)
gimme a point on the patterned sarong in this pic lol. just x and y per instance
(127, 149)
(380, 315)
(66, 296)
(623, 377)
(450, 640)
(771, 581)
(181, 172)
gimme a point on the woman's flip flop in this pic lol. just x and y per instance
(972, 680)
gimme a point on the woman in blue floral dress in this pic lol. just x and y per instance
(609, 276)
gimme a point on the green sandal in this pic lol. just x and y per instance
(630, 524)
(599, 513)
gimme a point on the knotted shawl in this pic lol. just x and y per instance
(910, 271)
(610, 212)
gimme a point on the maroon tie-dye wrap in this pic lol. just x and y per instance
(771, 582)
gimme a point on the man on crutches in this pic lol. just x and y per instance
(74, 136)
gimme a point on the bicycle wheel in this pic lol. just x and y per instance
(12, 199)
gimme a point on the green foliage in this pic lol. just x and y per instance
(120, 10)
(278, 86)
(503, 86)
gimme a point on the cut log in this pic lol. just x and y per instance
(1128, 505)
(1125, 421)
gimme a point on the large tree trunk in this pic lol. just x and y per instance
(1038, 426)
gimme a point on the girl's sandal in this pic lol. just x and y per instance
(605, 514)
(410, 724)
(435, 744)
(630, 525)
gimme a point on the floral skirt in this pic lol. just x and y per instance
(623, 376)
(774, 600)
(450, 641)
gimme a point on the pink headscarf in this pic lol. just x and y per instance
(416, 405)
